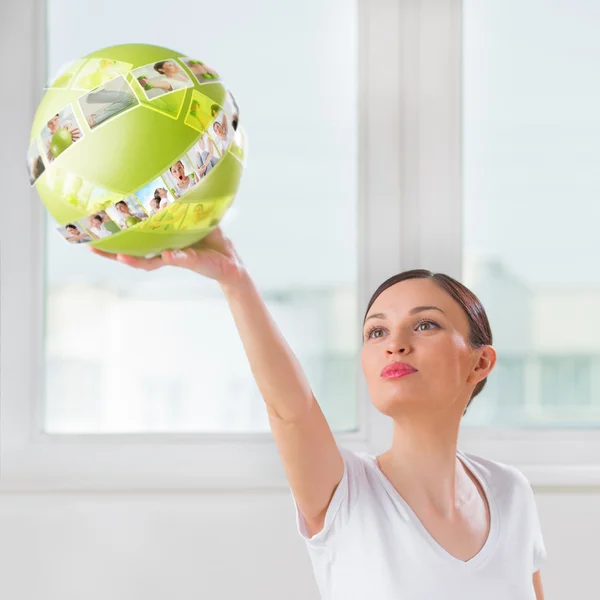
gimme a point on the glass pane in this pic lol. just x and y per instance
(531, 208)
(130, 351)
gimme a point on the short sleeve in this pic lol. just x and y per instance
(341, 505)
(539, 548)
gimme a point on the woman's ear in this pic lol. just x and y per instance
(486, 360)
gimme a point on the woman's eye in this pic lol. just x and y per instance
(426, 323)
(430, 324)
(371, 331)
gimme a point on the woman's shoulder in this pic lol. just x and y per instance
(497, 474)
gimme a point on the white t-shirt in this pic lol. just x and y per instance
(373, 546)
(101, 231)
(178, 83)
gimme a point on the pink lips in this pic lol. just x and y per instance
(397, 369)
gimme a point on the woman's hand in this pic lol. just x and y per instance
(214, 257)
(75, 133)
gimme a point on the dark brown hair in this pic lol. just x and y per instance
(480, 332)
(159, 65)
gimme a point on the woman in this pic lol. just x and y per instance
(128, 219)
(205, 156)
(202, 71)
(75, 236)
(114, 102)
(182, 181)
(98, 228)
(221, 134)
(177, 78)
(422, 521)
(52, 126)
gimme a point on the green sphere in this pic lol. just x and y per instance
(60, 141)
(129, 134)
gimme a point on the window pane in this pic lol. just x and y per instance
(531, 208)
(130, 351)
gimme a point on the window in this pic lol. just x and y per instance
(163, 346)
(459, 137)
(531, 130)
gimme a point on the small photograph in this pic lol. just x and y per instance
(127, 212)
(66, 74)
(236, 112)
(204, 156)
(168, 219)
(154, 196)
(100, 198)
(202, 112)
(161, 78)
(106, 101)
(98, 71)
(222, 132)
(60, 132)
(231, 110)
(238, 147)
(74, 233)
(198, 215)
(99, 225)
(35, 164)
(202, 72)
(69, 187)
(169, 105)
(181, 177)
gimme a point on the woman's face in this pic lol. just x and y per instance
(122, 208)
(433, 342)
(53, 124)
(169, 68)
(219, 130)
(178, 171)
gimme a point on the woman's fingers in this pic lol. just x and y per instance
(102, 253)
(148, 264)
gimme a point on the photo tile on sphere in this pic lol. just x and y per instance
(201, 71)
(204, 156)
(98, 71)
(60, 132)
(66, 74)
(106, 101)
(99, 225)
(35, 162)
(154, 196)
(162, 77)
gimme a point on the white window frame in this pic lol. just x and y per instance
(410, 205)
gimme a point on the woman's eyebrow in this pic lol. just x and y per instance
(412, 311)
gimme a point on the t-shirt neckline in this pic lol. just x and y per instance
(492, 538)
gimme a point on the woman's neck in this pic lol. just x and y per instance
(422, 463)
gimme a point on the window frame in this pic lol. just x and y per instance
(409, 167)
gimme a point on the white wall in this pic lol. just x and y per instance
(214, 546)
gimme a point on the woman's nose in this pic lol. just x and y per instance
(395, 344)
(401, 350)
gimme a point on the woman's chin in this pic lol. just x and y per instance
(393, 403)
